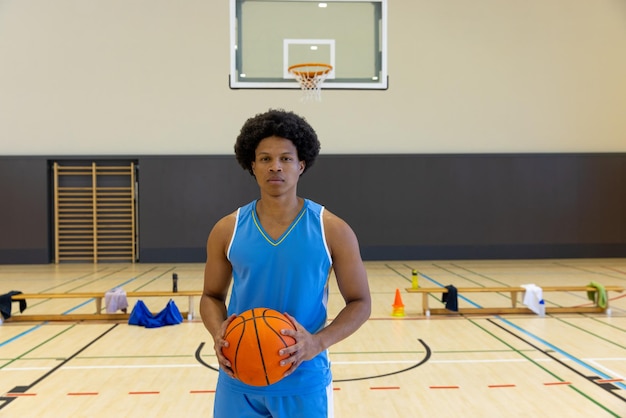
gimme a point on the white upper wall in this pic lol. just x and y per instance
(140, 77)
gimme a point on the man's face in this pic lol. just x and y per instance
(276, 165)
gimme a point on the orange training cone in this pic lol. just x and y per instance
(398, 306)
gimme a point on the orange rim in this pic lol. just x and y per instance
(324, 69)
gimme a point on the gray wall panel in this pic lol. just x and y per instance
(462, 204)
(180, 198)
(400, 206)
(24, 211)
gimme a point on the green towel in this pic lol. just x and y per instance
(597, 296)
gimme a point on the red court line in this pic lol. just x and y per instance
(608, 380)
(82, 393)
(17, 395)
(395, 318)
(444, 387)
(557, 383)
(508, 385)
(144, 393)
(385, 388)
(201, 391)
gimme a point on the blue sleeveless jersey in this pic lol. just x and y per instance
(289, 274)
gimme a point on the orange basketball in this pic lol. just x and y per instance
(254, 341)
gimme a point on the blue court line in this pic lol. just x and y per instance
(28, 331)
(460, 296)
(20, 335)
(563, 353)
(92, 299)
(78, 306)
(541, 340)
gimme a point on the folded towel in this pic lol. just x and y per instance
(533, 298)
(115, 300)
(598, 296)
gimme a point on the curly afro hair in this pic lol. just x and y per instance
(281, 123)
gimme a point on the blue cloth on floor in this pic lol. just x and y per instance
(142, 316)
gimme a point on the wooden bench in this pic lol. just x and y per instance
(97, 298)
(513, 308)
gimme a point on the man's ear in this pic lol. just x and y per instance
(302, 166)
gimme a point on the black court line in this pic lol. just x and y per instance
(201, 361)
(610, 388)
(6, 400)
(424, 360)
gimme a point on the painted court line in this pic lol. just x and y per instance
(343, 363)
(34, 328)
(136, 366)
(576, 360)
(554, 348)
(20, 335)
(92, 299)
(615, 375)
(608, 380)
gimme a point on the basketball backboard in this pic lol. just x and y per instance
(269, 36)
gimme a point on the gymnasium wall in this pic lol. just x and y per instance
(501, 134)
(150, 77)
(437, 206)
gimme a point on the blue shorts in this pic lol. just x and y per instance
(229, 404)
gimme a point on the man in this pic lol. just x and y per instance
(279, 251)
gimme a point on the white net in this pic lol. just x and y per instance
(311, 77)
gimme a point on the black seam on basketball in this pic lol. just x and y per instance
(234, 362)
(277, 332)
(280, 318)
(258, 341)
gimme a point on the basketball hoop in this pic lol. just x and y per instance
(311, 76)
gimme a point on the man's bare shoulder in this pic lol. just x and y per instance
(223, 228)
(334, 225)
(331, 217)
(341, 240)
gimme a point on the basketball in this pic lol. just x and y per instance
(254, 341)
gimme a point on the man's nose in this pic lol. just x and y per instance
(276, 166)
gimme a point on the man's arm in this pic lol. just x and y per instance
(353, 286)
(351, 280)
(217, 278)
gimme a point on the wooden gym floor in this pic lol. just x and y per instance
(567, 365)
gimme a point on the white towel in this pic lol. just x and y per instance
(115, 300)
(533, 298)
